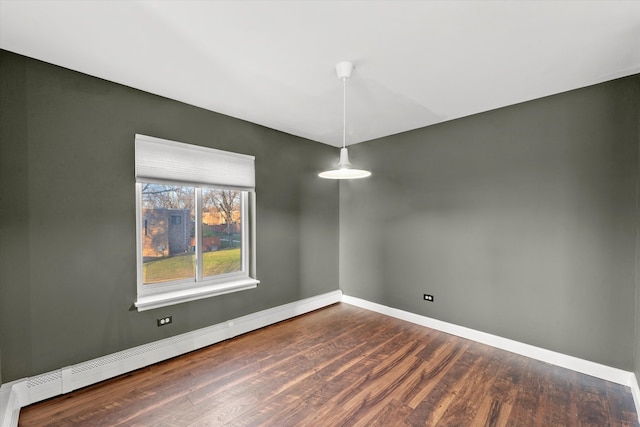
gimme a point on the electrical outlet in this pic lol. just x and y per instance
(428, 297)
(165, 320)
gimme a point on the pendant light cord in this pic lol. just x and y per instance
(344, 112)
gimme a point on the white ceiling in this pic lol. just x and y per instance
(272, 62)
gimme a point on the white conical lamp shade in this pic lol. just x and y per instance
(344, 170)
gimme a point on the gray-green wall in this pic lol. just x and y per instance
(520, 221)
(67, 216)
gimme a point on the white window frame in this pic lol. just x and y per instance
(150, 296)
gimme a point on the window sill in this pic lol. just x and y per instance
(184, 295)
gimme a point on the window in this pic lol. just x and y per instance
(195, 222)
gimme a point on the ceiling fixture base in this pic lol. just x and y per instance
(344, 69)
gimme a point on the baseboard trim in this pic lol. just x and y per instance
(10, 403)
(20, 393)
(635, 391)
(575, 364)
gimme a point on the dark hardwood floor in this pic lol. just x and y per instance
(344, 366)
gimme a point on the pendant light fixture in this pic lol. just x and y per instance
(344, 169)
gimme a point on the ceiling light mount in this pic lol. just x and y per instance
(344, 169)
(344, 70)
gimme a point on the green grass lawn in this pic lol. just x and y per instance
(182, 266)
(221, 262)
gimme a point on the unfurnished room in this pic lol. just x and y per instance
(319, 213)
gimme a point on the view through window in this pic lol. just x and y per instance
(186, 226)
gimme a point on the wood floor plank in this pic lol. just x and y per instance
(344, 366)
(473, 388)
(557, 397)
(528, 396)
(491, 413)
(393, 413)
(436, 368)
(436, 403)
(621, 405)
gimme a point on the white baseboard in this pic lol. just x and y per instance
(10, 403)
(575, 364)
(21, 393)
(635, 391)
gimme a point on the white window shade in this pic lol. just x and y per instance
(163, 160)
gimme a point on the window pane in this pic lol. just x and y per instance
(221, 231)
(167, 233)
